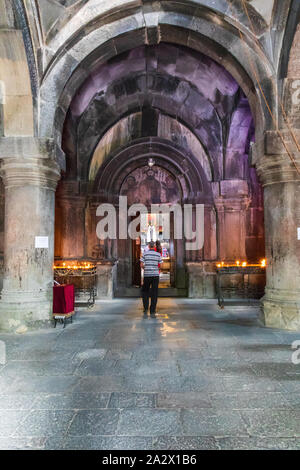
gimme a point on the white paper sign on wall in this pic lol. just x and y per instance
(298, 233)
(41, 242)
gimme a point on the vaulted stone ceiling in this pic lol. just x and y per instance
(54, 22)
(55, 25)
(70, 43)
(62, 36)
(172, 81)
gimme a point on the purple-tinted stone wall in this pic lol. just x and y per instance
(169, 83)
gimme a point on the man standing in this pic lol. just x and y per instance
(150, 262)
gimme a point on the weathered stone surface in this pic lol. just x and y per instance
(236, 405)
(6, 15)
(102, 422)
(282, 299)
(105, 280)
(202, 280)
(15, 84)
(132, 400)
(92, 62)
(29, 192)
(281, 313)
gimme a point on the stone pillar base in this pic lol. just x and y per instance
(282, 315)
(106, 275)
(202, 280)
(27, 311)
(283, 312)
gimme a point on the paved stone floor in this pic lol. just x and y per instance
(195, 378)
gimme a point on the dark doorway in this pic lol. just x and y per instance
(153, 230)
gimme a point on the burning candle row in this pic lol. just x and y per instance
(74, 265)
(243, 264)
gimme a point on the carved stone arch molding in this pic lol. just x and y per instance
(68, 72)
(186, 169)
(133, 128)
(167, 95)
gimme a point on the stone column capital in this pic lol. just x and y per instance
(272, 161)
(274, 169)
(26, 147)
(31, 147)
(17, 172)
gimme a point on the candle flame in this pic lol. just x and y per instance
(262, 264)
(75, 265)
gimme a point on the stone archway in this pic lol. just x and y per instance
(102, 147)
(262, 118)
(151, 187)
(73, 50)
(192, 185)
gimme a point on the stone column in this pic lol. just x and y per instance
(106, 277)
(232, 202)
(26, 298)
(281, 303)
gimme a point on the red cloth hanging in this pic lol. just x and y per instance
(63, 298)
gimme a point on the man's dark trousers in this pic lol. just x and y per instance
(151, 281)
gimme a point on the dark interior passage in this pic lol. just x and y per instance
(179, 108)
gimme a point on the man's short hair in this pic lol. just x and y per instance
(151, 244)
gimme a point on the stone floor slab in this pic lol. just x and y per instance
(18, 401)
(184, 400)
(149, 422)
(194, 378)
(184, 443)
(94, 422)
(272, 423)
(10, 420)
(108, 443)
(71, 401)
(44, 423)
(250, 443)
(213, 423)
(249, 400)
(132, 400)
(16, 443)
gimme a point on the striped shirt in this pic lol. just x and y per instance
(151, 260)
